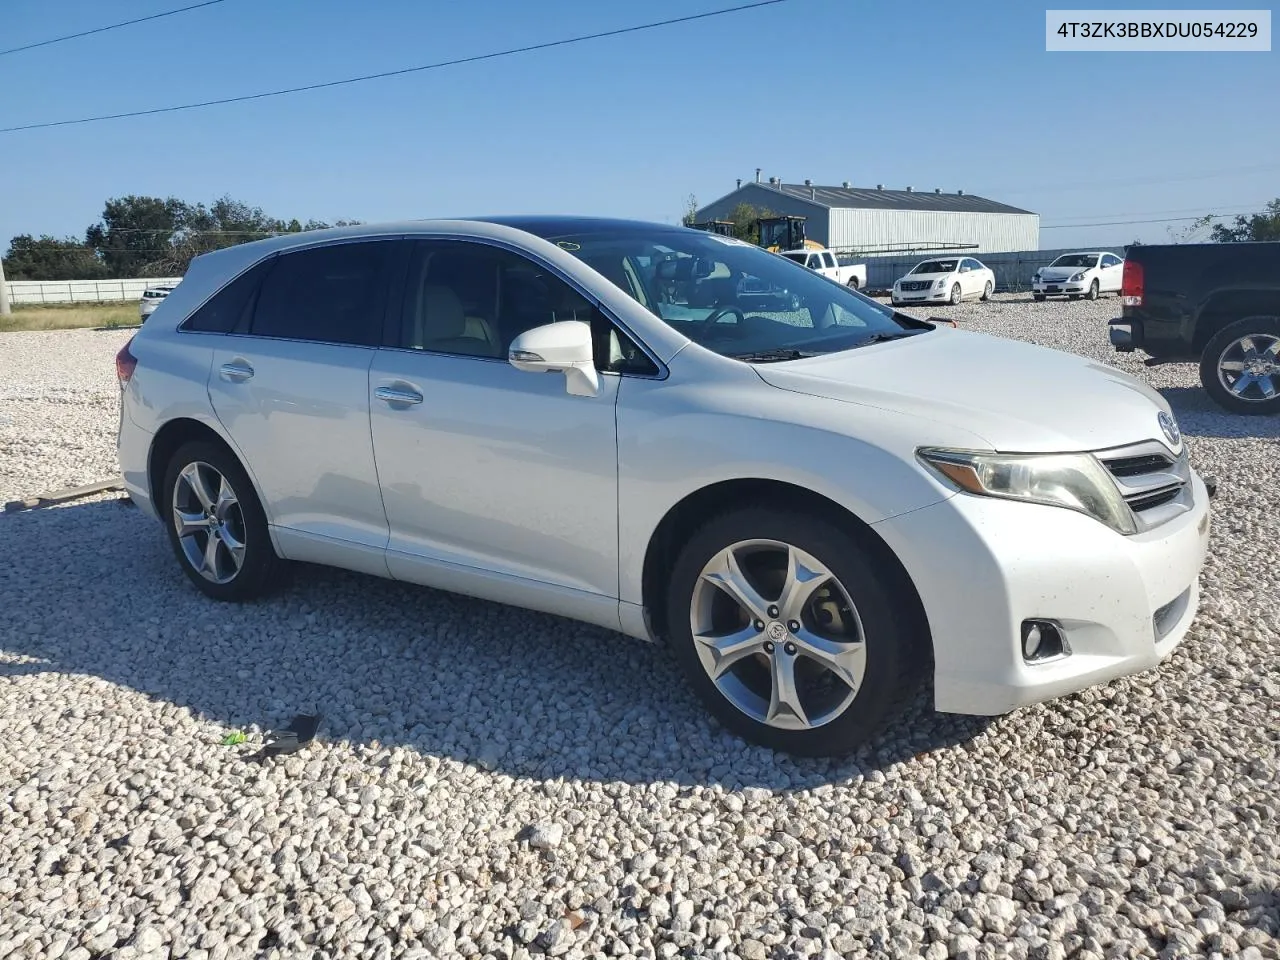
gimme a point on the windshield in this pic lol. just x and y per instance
(1076, 260)
(733, 297)
(936, 266)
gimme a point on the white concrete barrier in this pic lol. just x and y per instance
(81, 291)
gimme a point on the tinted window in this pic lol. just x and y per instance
(474, 299)
(829, 259)
(229, 305)
(332, 294)
(937, 266)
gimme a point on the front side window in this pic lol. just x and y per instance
(330, 294)
(473, 299)
(1110, 261)
(734, 297)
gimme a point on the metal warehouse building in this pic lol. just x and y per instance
(870, 220)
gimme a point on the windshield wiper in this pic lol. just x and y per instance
(774, 356)
(881, 338)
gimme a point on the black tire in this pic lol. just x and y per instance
(853, 283)
(955, 294)
(1220, 344)
(1093, 290)
(261, 569)
(896, 641)
(1038, 297)
(986, 291)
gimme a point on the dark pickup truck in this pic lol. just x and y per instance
(1216, 304)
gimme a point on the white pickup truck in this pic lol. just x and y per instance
(825, 263)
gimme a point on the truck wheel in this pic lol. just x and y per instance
(1093, 290)
(791, 631)
(853, 283)
(955, 294)
(1240, 367)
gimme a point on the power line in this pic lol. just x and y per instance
(112, 26)
(406, 70)
(1120, 223)
(1249, 208)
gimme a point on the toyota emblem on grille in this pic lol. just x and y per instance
(1170, 428)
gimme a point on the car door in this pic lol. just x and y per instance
(290, 384)
(496, 482)
(1112, 273)
(831, 268)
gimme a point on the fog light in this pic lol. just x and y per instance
(1042, 640)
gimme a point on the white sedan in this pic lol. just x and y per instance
(945, 280)
(815, 509)
(1076, 275)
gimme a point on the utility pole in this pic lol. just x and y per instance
(4, 293)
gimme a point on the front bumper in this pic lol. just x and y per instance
(920, 296)
(1058, 288)
(983, 566)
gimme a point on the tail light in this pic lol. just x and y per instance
(1131, 286)
(125, 364)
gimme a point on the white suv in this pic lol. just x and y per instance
(810, 506)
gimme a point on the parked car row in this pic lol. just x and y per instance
(604, 420)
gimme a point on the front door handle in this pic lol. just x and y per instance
(397, 395)
(237, 371)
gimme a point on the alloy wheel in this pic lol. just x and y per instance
(778, 634)
(209, 522)
(1249, 368)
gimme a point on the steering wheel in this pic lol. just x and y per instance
(719, 312)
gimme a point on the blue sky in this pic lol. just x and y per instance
(950, 95)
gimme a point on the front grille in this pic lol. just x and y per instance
(917, 285)
(1154, 483)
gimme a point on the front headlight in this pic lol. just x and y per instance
(940, 283)
(1076, 481)
(1077, 277)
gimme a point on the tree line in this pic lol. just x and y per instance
(146, 237)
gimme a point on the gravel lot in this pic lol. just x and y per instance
(488, 782)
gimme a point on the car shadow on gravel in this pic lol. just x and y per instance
(92, 589)
(1199, 416)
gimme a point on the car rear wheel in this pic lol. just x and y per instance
(955, 294)
(216, 524)
(793, 634)
(1240, 367)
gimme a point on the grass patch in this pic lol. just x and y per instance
(70, 316)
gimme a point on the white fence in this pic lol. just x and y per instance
(81, 291)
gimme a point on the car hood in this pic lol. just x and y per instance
(1016, 396)
(1061, 273)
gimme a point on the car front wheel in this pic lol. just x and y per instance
(955, 294)
(216, 524)
(791, 632)
(1240, 367)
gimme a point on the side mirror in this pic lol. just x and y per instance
(562, 347)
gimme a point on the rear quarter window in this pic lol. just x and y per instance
(223, 311)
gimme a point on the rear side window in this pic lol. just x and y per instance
(228, 306)
(332, 294)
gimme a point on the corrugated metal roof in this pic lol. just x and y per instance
(869, 198)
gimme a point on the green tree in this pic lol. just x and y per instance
(48, 258)
(690, 211)
(745, 217)
(1257, 226)
(135, 236)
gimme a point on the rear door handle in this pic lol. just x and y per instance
(237, 371)
(397, 395)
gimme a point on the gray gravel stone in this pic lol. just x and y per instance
(1097, 825)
